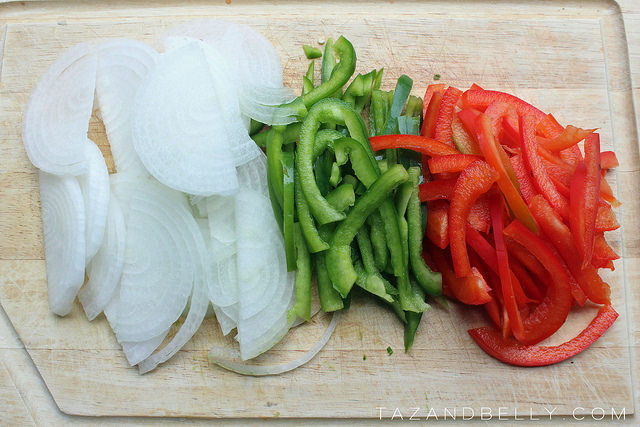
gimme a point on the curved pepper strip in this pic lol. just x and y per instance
(509, 351)
(570, 136)
(421, 144)
(558, 233)
(338, 256)
(275, 176)
(340, 74)
(437, 230)
(327, 110)
(535, 165)
(475, 180)
(472, 289)
(437, 190)
(306, 224)
(451, 162)
(481, 99)
(442, 130)
(289, 136)
(551, 313)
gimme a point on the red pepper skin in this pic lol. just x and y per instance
(431, 115)
(442, 130)
(451, 162)
(513, 353)
(608, 160)
(606, 220)
(551, 313)
(534, 164)
(590, 198)
(473, 181)
(558, 233)
(479, 216)
(570, 136)
(437, 230)
(527, 189)
(471, 290)
(421, 144)
(602, 251)
(428, 94)
(571, 156)
(577, 220)
(481, 99)
(528, 261)
(436, 190)
(499, 112)
(548, 127)
(493, 311)
(526, 282)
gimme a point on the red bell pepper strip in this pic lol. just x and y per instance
(436, 190)
(499, 111)
(481, 99)
(525, 281)
(462, 139)
(472, 289)
(571, 155)
(602, 249)
(548, 127)
(576, 291)
(473, 181)
(606, 220)
(428, 94)
(571, 135)
(431, 115)
(513, 353)
(437, 230)
(493, 311)
(474, 86)
(510, 134)
(451, 162)
(607, 193)
(442, 130)
(558, 233)
(608, 160)
(551, 313)
(588, 201)
(498, 159)
(480, 216)
(527, 189)
(526, 259)
(534, 164)
(421, 144)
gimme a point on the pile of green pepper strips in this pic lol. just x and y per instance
(350, 215)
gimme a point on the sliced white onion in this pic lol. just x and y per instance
(159, 270)
(229, 359)
(95, 189)
(222, 227)
(63, 222)
(105, 268)
(177, 131)
(122, 66)
(227, 323)
(56, 119)
(136, 352)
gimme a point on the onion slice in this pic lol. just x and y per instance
(63, 220)
(177, 128)
(136, 352)
(159, 269)
(122, 66)
(56, 119)
(95, 190)
(229, 359)
(105, 269)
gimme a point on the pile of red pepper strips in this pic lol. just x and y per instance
(516, 218)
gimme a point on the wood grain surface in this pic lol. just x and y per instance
(573, 59)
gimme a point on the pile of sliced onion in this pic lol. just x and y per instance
(185, 224)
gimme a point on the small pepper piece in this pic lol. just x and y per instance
(509, 351)
(311, 52)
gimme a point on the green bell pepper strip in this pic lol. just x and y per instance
(430, 281)
(414, 107)
(342, 197)
(400, 96)
(324, 140)
(377, 112)
(288, 208)
(327, 110)
(345, 148)
(314, 242)
(341, 270)
(328, 61)
(378, 240)
(371, 280)
(302, 306)
(290, 134)
(255, 126)
(311, 52)
(311, 72)
(307, 85)
(339, 74)
(276, 206)
(330, 299)
(335, 177)
(355, 89)
(275, 177)
(372, 283)
(365, 98)
(410, 328)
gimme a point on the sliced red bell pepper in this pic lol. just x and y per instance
(436, 190)
(558, 233)
(606, 220)
(526, 259)
(437, 230)
(576, 290)
(525, 180)
(551, 313)
(451, 162)
(548, 127)
(431, 115)
(462, 139)
(472, 289)
(499, 111)
(570, 136)
(494, 155)
(442, 131)
(493, 311)
(481, 99)
(421, 144)
(607, 193)
(473, 181)
(526, 282)
(510, 134)
(479, 216)
(534, 164)
(608, 160)
(474, 86)
(571, 155)
(513, 353)
(602, 250)
(428, 94)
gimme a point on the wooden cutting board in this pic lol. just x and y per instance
(570, 60)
